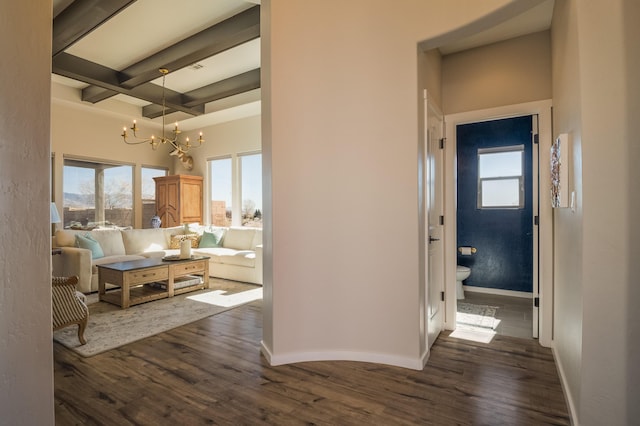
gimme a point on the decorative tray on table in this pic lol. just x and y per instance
(177, 257)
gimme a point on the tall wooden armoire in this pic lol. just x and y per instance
(179, 199)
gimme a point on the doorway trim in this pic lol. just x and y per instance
(545, 240)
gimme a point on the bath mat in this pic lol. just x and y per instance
(476, 316)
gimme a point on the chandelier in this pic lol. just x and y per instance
(179, 149)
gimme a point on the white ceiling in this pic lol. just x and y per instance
(149, 26)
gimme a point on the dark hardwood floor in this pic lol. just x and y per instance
(211, 372)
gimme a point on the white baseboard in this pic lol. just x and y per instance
(498, 291)
(573, 414)
(265, 351)
(396, 361)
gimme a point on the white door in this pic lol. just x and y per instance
(535, 219)
(434, 187)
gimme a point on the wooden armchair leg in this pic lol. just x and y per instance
(81, 327)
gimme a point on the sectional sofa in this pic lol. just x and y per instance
(235, 253)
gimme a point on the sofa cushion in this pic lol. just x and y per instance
(212, 238)
(144, 240)
(87, 242)
(110, 240)
(229, 256)
(239, 238)
(176, 240)
(112, 259)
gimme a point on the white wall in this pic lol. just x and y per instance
(341, 93)
(605, 395)
(595, 51)
(630, 13)
(519, 67)
(431, 68)
(568, 256)
(26, 362)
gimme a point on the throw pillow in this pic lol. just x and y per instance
(177, 239)
(87, 242)
(211, 239)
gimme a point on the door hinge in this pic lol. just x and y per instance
(536, 302)
(441, 220)
(536, 138)
(442, 296)
(536, 220)
(442, 142)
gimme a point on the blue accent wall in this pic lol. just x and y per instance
(503, 237)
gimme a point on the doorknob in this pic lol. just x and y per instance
(431, 239)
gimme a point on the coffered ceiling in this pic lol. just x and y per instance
(110, 51)
(114, 50)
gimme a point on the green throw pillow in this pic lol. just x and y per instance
(87, 242)
(211, 239)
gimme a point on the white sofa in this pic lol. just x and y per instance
(239, 256)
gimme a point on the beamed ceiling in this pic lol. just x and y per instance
(115, 48)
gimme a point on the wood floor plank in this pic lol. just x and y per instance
(211, 372)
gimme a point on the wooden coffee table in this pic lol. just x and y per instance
(131, 277)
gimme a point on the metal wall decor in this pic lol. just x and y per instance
(560, 171)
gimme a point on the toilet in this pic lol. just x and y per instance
(462, 273)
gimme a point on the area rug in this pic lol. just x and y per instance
(110, 327)
(476, 316)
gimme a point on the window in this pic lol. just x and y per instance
(501, 177)
(251, 190)
(221, 191)
(236, 190)
(149, 193)
(97, 194)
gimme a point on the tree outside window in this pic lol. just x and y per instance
(97, 194)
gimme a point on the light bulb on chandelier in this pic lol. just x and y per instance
(179, 148)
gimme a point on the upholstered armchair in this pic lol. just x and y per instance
(69, 306)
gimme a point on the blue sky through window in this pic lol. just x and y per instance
(252, 179)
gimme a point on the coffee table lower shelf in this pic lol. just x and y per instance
(139, 294)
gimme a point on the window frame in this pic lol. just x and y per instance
(237, 203)
(78, 162)
(241, 188)
(211, 186)
(520, 178)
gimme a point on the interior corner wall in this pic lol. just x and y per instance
(568, 256)
(505, 73)
(594, 324)
(342, 146)
(26, 360)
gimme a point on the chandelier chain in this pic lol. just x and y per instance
(179, 148)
